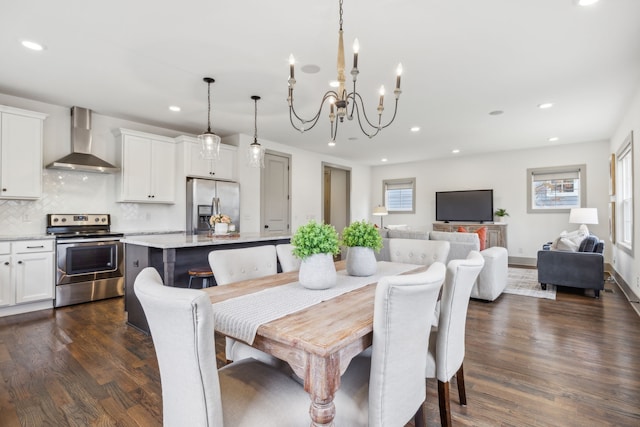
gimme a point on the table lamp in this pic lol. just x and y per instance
(380, 211)
(583, 216)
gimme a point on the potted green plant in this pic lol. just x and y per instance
(501, 214)
(316, 244)
(362, 238)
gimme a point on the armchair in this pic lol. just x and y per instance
(581, 269)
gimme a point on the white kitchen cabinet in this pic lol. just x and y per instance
(225, 168)
(7, 290)
(148, 167)
(6, 285)
(26, 275)
(20, 153)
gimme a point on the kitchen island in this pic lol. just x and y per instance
(173, 254)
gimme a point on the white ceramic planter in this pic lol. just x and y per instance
(317, 272)
(221, 228)
(361, 261)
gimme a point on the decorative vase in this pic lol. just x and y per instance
(221, 228)
(317, 272)
(361, 261)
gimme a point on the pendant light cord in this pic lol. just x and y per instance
(209, 107)
(255, 121)
(340, 15)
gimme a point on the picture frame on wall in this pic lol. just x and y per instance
(612, 175)
(612, 222)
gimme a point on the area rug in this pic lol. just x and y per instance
(524, 281)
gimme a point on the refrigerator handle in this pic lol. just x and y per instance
(215, 206)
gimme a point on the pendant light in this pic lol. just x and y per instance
(209, 141)
(256, 151)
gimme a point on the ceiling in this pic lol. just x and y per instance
(462, 59)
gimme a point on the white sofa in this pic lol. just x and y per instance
(493, 277)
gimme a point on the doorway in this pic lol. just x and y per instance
(336, 196)
(275, 197)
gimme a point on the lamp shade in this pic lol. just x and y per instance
(583, 216)
(380, 210)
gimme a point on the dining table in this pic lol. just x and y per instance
(318, 338)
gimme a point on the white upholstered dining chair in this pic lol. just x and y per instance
(288, 261)
(446, 342)
(418, 251)
(194, 393)
(387, 389)
(235, 265)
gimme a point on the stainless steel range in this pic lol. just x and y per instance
(90, 258)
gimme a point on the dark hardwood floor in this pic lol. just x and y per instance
(529, 362)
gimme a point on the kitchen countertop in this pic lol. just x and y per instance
(6, 238)
(183, 240)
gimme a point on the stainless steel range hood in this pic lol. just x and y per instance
(81, 158)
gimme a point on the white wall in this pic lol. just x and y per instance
(71, 192)
(505, 173)
(626, 265)
(306, 184)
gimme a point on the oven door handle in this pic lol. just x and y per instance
(88, 240)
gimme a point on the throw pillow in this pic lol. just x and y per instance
(482, 234)
(588, 244)
(565, 244)
(461, 229)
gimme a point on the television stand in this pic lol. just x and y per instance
(496, 232)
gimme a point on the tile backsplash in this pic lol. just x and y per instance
(79, 192)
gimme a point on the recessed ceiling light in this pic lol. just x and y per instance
(553, 139)
(455, 151)
(334, 83)
(310, 69)
(545, 105)
(383, 159)
(174, 108)
(496, 112)
(32, 45)
(415, 129)
(586, 2)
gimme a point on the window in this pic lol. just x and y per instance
(556, 189)
(399, 195)
(624, 191)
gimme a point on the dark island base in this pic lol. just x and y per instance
(173, 265)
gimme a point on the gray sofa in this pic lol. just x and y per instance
(581, 269)
(493, 277)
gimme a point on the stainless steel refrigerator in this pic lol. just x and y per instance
(206, 197)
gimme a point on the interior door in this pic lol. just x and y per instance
(275, 193)
(336, 197)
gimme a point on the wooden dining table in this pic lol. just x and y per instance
(318, 342)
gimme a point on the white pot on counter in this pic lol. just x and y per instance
(221, 228)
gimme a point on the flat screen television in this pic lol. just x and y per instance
(471, 205)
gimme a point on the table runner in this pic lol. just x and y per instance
(242, 316)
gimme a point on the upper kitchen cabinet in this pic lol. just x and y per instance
(196, 166)
(20, 153)
(148, 167)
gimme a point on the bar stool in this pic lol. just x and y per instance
(203, 273)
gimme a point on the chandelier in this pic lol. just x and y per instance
(209, 141)
(256, 151)
(342, 103)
